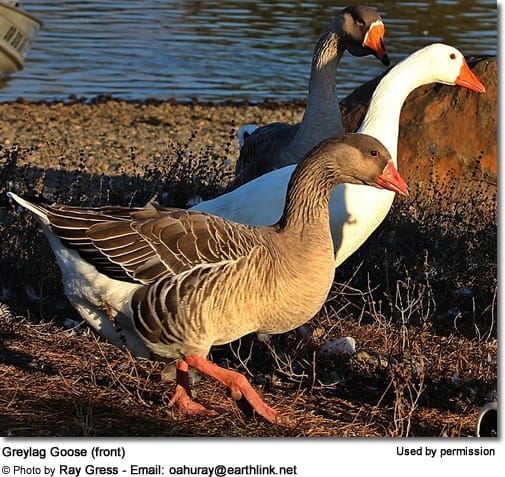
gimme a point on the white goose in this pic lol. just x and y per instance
(355, 211)
(357, 29)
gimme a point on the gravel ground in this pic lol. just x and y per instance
(107, 130)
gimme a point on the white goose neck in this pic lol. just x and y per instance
(383, 115)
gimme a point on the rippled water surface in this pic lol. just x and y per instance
(219, 50)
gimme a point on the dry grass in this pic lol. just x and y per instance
(419, 298)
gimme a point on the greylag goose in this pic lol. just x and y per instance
(359, 30)
(355, 211)
(173, 282)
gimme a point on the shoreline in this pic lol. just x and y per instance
(154, 100)
(106, 135)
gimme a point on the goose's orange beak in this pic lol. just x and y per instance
(468, 79)
(374, 39)
(392, 180)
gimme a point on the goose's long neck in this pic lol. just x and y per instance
(307, 198)
(383, 116)
(327, 54)
(322, 116)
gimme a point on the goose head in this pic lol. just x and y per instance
(448, 66)
(370, 163)
(435, 63)
(354, 158)
(362, 31)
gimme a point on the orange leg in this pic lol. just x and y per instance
(238, 385)
(182, 397)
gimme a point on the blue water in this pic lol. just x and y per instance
(219, 50)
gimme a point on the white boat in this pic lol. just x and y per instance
(17, 31)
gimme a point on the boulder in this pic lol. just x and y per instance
(447, 133)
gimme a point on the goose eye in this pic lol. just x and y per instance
(452, 56)
(374, 152)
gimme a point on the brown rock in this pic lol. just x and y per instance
(449, 132)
